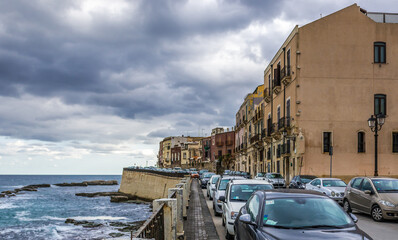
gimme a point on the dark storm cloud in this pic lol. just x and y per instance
(150, 59)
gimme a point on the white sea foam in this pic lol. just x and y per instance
(91, 218)
(6, 205)
(53, 218)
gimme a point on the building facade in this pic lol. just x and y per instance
(320, 89)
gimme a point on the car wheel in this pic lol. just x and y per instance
(207, 193)
(229, 236)
(377, 214)
(347, 206)
(236, 235)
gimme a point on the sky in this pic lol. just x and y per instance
(92, 86)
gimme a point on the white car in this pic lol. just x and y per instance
(332, 187)
(260, 176)
(212, 184)
(236, 195)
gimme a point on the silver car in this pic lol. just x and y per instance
(332, 187)
(276, 179)
(212, 184)
(219, 191)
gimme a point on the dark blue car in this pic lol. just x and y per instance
(294, 214)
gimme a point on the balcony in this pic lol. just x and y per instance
(267, 95)
(219, 144)
(230, 142)
(284, 123)
(286, 77)
(286, 149)
(254, 139)
(277, 85)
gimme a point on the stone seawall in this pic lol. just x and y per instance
(147, 184)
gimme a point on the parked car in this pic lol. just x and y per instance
(245, 175)
(332, 187)
(276, 179)
(206, 177)
(227, 172)
(260, 176)
(201, 172)
(219, 191)
(295, 214)
(211, 184)
(194, 174)
(236, 195)
(299, 181)
(375, 196)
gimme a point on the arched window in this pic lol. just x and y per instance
(361, 142)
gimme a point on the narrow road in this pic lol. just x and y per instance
(377, 230)
(221, 231)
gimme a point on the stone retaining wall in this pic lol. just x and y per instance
(146, 184)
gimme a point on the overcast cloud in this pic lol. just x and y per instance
(91, 86)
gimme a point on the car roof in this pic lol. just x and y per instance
(249, 181)
(329, 178)
(378, 178)
(286, 193)
(232, 177)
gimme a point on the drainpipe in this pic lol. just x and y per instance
(272, 112)
(284, 111)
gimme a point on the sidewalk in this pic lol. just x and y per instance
(199, 224)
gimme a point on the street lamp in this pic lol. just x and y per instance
(375, 123)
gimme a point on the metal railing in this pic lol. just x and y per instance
(383, 17)
(153, 228)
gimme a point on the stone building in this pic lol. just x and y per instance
(320, 88)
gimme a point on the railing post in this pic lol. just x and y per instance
(180, 207)
(170, 216)
(184, 199)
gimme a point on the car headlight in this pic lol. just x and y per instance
(386, 203)
(234, 215)
(333, 193)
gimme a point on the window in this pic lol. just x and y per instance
(380, 52)
(279, 112)
(229, 151)
(327, 141)
(219, 153)
(366, 185)
(278, 169)
(288, 63)
(380, 104)
(395, 142)
(361, 142)
(356, 183)
(253, 208)
(288, 108)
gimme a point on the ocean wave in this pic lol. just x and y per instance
(53, 218)
(91, 218)
(7, 205)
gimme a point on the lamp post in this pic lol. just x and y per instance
(376, 123)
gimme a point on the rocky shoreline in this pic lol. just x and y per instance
(34, 187)
(125, 227)
(116, 197)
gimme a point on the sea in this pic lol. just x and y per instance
(42, 214)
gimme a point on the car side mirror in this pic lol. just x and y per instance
(222, 198)
(319, 186)
(353, 217)
(368, 192)
(245, 218)
(213, 189)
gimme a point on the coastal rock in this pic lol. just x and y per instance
(92, 225)
(8, 192)
(70, 220)
(82, 184)
(119, 224)
(38, 186)
(28, 189)
(101, 182)
(2, 195)
(115, 235)
(133, 227)
(100, 194)
(119, 198)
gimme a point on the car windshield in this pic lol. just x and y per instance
(242, 192)
(223, 184)
(275, 175)
(193, 172)
(214, 180)
(305, 180)
(208, 175)
(386, 185)
(303, 212)
(333, 183)
(260, 174)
